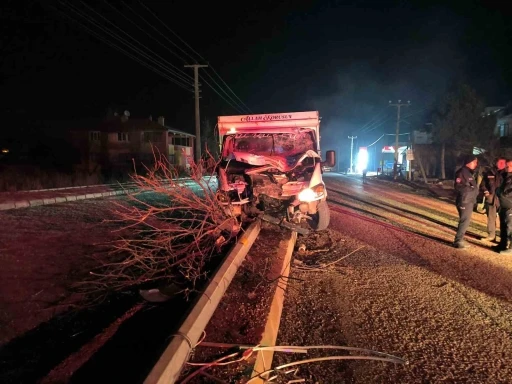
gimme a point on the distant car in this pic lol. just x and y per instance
(325, 168)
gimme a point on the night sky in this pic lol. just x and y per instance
(346, 59)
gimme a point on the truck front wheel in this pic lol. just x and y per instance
(320, 220)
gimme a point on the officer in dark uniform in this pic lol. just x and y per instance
(505, 195)
(467, 192)
(490, 182)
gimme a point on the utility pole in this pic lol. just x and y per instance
(351, 152)
(398, 105)
(410, 155)
(198, 122)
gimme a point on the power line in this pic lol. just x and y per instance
(164, 65)
(147, 33)
(375, 142)
(170, 30)
(377, 124)
(133, 57)
(185, 80)
(123, 41)
(147, 22)
(412, 114)
(200, 57)
(227, 95)
(153, 27)
(373, 120)
(222, 97)
(221, 79)
(387, 134)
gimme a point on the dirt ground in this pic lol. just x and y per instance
(242, 314)
(43, 250)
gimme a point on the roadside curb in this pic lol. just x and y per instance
(124, 189)
(171, 362)
(127, 184)
(264, 357)
(61, 199)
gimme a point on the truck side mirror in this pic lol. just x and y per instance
(330, 158)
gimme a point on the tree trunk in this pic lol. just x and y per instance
(422, 169)
(443, 170)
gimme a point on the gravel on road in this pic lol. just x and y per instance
(447, 312)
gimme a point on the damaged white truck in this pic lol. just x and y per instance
(271, 168)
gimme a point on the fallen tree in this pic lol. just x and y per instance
(171, 228)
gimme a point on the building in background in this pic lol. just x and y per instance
(119, 144)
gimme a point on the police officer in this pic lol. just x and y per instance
(467, 191)
(505, 195)
(490, 182)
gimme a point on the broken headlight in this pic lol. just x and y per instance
(312, 194)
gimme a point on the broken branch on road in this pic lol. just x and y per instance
(175, 227)
(301, 266)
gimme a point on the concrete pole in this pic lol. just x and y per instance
(198, 121)
(398, 105)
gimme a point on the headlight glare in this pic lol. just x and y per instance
(307, 195)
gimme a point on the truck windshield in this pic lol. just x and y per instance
(278, 144)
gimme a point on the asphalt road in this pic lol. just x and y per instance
(46, 333)
(404, 291)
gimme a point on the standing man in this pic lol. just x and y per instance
(505, 195)
(491, 181)
(467, 191)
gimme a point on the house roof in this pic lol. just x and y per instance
(504, 119)
(172, 130)
(118, 124)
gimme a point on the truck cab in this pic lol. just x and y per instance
(270, 165)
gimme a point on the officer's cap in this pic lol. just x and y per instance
(468, 159)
